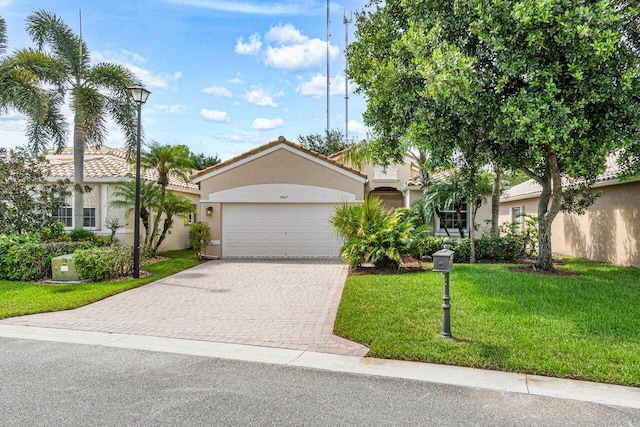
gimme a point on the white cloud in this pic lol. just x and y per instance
(285, 34)
(265, 124)
(253, 7)
(236, 80)
(222, 92)
(289, 49)
(129, 60)
(357, 128)
(215, 116)
(171, 109)
(251, 48)
(317, 86)
(261, 96)
(310, 54)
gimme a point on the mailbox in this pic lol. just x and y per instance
(443, 260)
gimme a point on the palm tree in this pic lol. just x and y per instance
(453, 194)
(173, 205)
(124, 196)
(167, 161)
(95, 91)
(21, 79)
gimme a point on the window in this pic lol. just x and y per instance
(449, 219)
(89, 217)
(517, 216)
(192, 217)
(64, 215)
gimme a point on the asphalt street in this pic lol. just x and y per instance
(51, 383)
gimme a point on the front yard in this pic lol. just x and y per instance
(583, 327)
(20, 298)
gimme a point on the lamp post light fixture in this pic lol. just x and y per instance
(443, 263)
(140, 96)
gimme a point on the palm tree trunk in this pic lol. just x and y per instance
(78, 175)
(495, 203)
(168, 222)
(156, 221)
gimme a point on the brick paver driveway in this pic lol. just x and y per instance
(282, 303)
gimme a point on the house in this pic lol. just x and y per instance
(276, 200)
(104, 169)
(609, 231)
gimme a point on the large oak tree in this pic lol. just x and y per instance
(547, 87)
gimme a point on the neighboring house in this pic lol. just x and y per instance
(276, 200)
(609, 231)
(104, 169)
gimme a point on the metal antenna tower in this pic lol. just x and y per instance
(346, 23)
(328, 68)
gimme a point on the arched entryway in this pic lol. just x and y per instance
(389, 196)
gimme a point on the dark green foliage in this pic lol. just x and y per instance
(103, 263)
(19, 257)
(199, 236)
(80, 234)
(326, 144)
(372, 233)
(201, 161)
(27, 200)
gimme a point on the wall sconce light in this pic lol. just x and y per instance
(209, 211)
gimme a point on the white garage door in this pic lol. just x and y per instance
(278, 230)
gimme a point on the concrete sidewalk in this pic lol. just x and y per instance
(468, 377)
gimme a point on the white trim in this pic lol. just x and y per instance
(270, 150)
(280, 193)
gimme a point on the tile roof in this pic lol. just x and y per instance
(532, 189)
(104, 162)
(264, 147)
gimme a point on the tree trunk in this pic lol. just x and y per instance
(156, 220)
(545, 258)
(548, 207)
(495, 203)
(78, 175)
(472, 233)
(165, 229)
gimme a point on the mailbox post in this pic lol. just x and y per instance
(443, 263)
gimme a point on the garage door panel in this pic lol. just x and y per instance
(278, 230)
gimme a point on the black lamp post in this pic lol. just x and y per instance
(140, 96)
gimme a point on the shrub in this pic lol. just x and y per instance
(80, 234)
(424, 244)
(199, 236)
(103, 263)
(22, 257)
(51, 232)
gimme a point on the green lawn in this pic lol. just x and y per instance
(18, 298)
(585, 327)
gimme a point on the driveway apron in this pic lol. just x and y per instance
(280, 303)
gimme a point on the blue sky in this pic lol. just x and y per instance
(225, 75)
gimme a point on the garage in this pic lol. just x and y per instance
(275, 201)
(278, 231)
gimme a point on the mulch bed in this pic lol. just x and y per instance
(412, 265)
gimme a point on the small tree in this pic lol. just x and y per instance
(27, 200)
(328, 143)
(199, 237)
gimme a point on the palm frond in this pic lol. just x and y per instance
(48, 30)
(89, 107)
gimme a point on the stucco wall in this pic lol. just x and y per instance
(282, 166)
(608, 232)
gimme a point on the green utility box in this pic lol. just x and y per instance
(63, 269)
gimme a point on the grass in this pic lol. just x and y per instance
(583, 327)
(20, 298)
